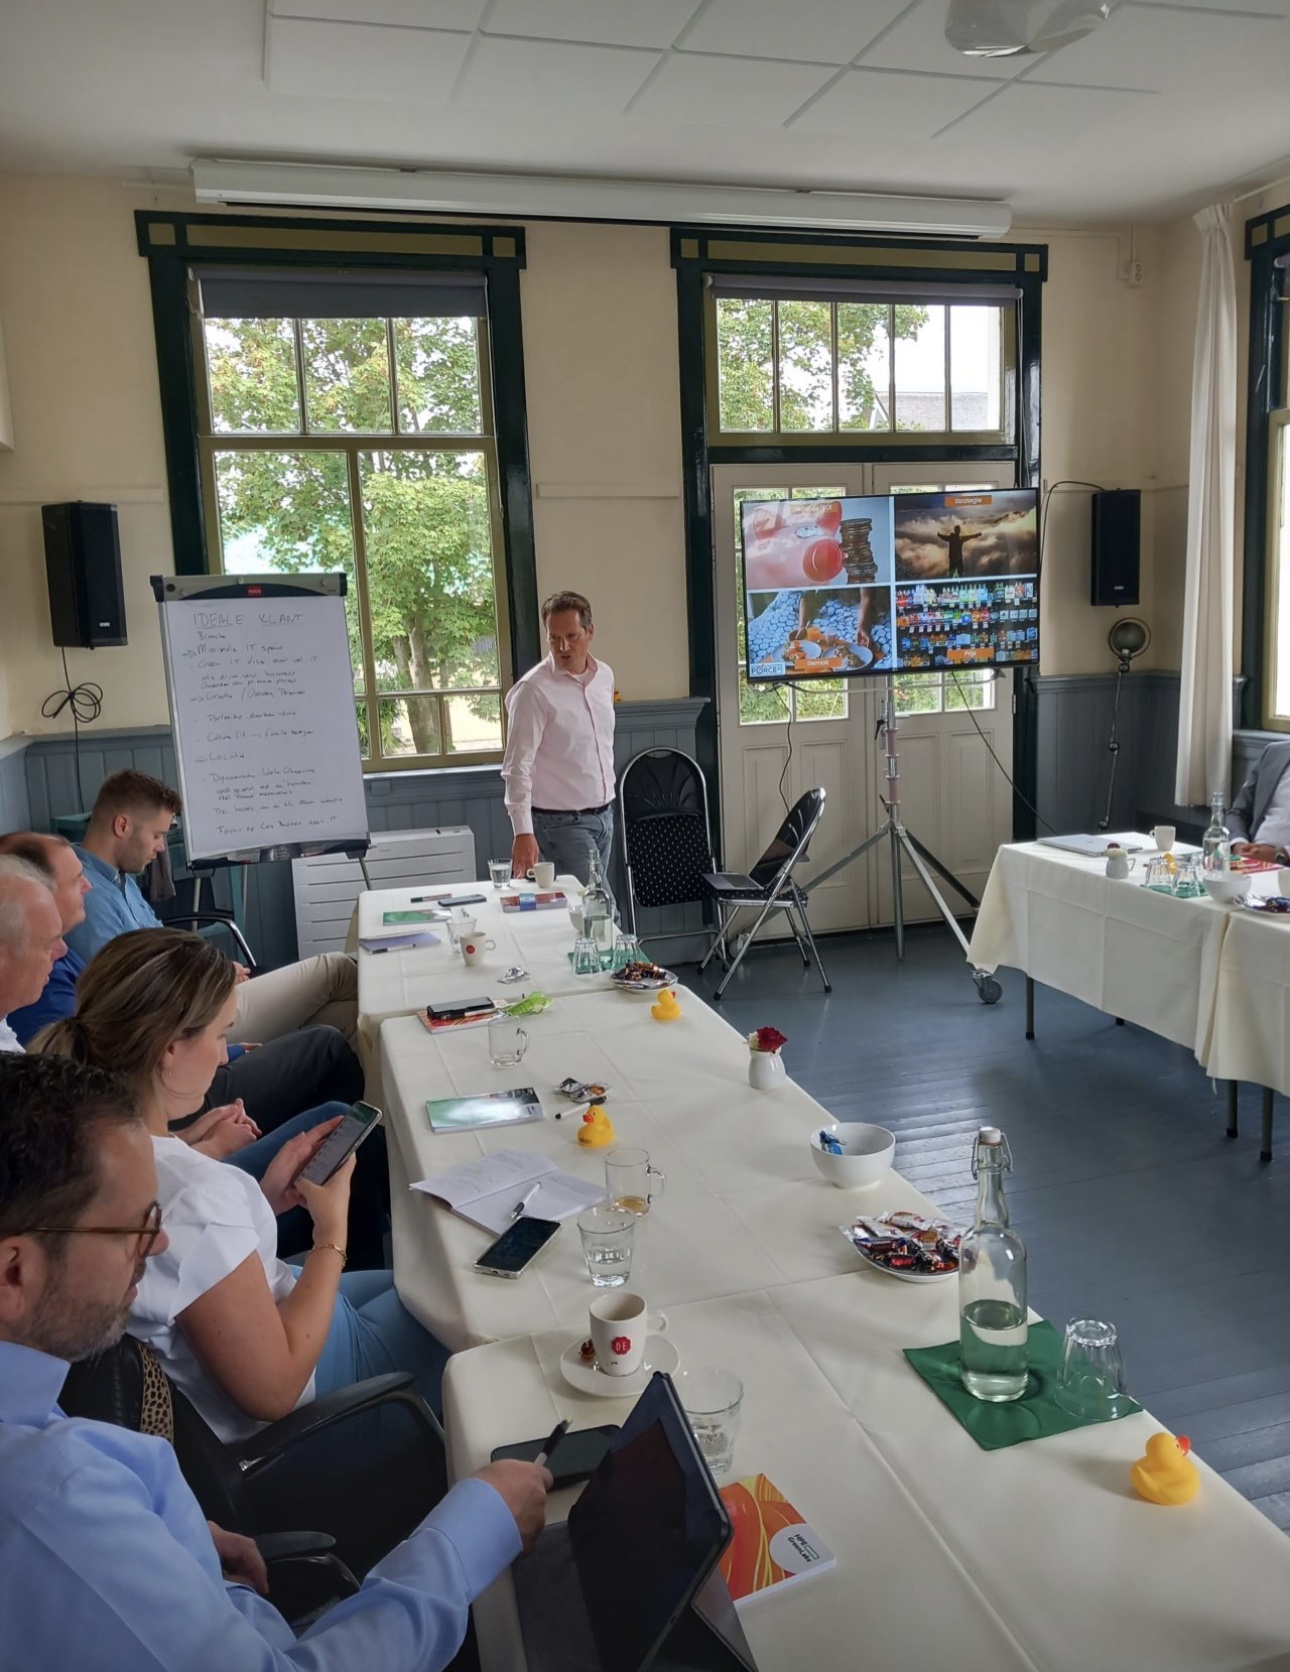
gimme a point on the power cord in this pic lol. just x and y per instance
(1066, 482)
(1008, 778)
(85, 702)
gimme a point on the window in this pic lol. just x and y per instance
(1278, 682)
(346, 425)
(797, 368)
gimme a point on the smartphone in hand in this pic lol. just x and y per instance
(337, 1147)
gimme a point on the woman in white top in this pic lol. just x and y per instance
(246, 1337)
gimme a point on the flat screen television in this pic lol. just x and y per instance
(890, 584)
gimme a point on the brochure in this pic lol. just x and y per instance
(489, 1108)
(487, 1191)
(772, 1544)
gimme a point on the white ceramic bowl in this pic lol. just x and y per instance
(869, 1151)
(1229, 888)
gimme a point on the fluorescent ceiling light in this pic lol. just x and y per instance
(319, 186)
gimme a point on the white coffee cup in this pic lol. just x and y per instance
(542, 874)
(473, 949)
(620, 1323)
(1164, 836)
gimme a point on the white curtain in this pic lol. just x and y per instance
(1205, 711)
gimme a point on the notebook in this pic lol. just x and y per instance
(772, 1545)
(487, 1190)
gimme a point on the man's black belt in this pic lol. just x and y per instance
(575, 812)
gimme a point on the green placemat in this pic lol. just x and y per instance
(1031, 1417)
(606, 959)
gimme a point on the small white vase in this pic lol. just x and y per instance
(766, 1071)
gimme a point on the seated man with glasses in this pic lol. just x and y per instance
(106, 1562)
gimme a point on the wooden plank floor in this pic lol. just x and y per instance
(1134, 1205)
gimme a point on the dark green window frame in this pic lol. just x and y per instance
(1267, 237)
(698, 252)
(173, 243)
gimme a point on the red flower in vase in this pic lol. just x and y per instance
(622, 1345)
(767, 1039)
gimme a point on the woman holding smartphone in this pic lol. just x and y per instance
(245, 1336)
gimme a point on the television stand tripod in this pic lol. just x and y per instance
(894, 831)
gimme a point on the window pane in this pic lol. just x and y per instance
(347, 375)
(289, 511)
(916, 695)
(364, 732)
(409, 726)
(427, 540)
(864, 365)
(437, 370)
(745, 364)
(805, 366)
(475, 723)
(920, 368)
(976, 368)
(973, 689)
(826, 700)
(1281, 651)
(252, 368)
(761, 705)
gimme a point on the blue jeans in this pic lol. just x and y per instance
(372, 1334)
(566, 839)
(369, 1191)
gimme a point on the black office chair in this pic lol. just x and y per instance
(770, 886)
(666, 834)
(192, 907)
(297, 1472)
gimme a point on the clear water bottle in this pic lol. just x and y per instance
(993, 1329)
(598, 908)
(1216, 844)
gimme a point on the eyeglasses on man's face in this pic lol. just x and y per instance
(146, 1234)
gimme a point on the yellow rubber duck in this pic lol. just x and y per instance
(1166, 1475)
(666, 1008)
(597, 1129)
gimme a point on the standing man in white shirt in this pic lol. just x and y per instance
(559, 765)
(31, 939)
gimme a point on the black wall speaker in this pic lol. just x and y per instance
(1117, 527)
(83, 567)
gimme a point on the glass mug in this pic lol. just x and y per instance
(507, 1042)
(633, 1183)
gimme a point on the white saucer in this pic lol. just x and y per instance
(660, 1354)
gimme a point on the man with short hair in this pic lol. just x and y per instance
(106, 1562)
(1260, 817)
(31, 938)
(559, 765)
(282, 1079)
(132, 816)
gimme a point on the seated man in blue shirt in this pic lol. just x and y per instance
(106, 1562)
(132, 815)
(299, 1071)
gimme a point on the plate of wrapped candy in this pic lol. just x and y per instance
(906, 1245)
(1276, 905)
(643, 977)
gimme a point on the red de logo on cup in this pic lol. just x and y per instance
(621, 1345)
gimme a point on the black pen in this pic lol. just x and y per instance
(551, 1442)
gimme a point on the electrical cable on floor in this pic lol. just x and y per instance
(1028, 805)
(85, 702)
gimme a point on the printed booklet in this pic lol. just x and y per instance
(772, 1544)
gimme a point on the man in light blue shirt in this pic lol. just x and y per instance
(106, 1563)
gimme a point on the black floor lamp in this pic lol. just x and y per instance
(1128, 638)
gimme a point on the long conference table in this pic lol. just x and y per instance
(1213, 978)
(1034, 1557)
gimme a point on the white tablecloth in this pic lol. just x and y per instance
(1251, 1035)
(1037, 1557)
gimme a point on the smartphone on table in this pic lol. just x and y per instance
(516, 1247)
(576, 1456)
(337, 1147)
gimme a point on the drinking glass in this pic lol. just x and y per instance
(1090, 1383)
(1160, 878)
(499, 872)
(633, 1183)
(608, 1239)
(1187, 880)
(460, 923)
(586, 956)
(627, 950)
(507, 1042)
(711, 1400)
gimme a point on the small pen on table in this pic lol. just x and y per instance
(551, 1442)
(524, 1201)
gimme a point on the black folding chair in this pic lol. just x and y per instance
(667, 837)
(770, 886)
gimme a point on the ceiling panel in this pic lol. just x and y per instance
(362, 61)
(728, 92)
(1160, 47)
(819, 31)
(577, 81)
(1269, 8)
(611, 22)
(917, 42)
(1041, 123)
(886, 106)
(411, 14)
